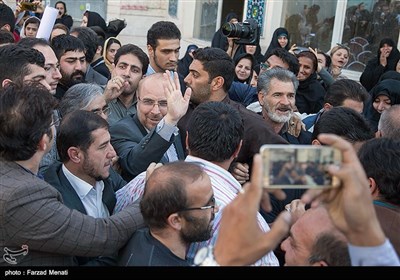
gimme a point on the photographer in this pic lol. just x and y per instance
(239, 34)
(219, 40)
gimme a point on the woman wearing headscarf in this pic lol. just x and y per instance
(310, 93)
(184, 62)
(111, 45)
(244, 68)
(280, 39)
(93, 19)
(62, 16)
(385, 94)
(386, 60)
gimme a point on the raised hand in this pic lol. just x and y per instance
(240, 239)
(177, 104)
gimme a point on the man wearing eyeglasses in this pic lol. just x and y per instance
(151, 135)
(85, 178)
(51, 65)
(34, 218)
(178, 206)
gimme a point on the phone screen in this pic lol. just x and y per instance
(299, 166)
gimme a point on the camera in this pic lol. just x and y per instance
(299, 166)
(247, 32)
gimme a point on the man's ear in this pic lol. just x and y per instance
(373, 188)
(260, 98)
(99, 50)
(236, 153)
(174, 221)
(217, 83)
(316, 142)
(5, 83)
(43, 142)
(327, 106)
(150, 51)
(74, 154)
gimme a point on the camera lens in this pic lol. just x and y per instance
(227, 29)
(243, 32)
(238, 30)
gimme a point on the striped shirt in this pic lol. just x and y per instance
(225, 188)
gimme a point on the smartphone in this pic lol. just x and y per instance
(299, 166)
(298, 50)
(28, 6)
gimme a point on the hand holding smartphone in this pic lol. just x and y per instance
(299, 166)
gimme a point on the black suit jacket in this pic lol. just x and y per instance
(55, 176)
(137, 149)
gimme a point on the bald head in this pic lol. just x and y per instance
(172, 188)
(152, 83)
(389, 123)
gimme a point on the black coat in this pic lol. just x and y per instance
(310, 95)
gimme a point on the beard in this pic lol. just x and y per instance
(200, 229)
(278, 118)
(76, 77)
(90, 171)
(200, 95)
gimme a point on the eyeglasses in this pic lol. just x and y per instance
(52, 67)
(105, 110)
(264, 66)
(151, 103)
(56, 120)
(212, 206)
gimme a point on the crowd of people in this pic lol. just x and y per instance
(113, 155)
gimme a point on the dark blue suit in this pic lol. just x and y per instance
(137, 149)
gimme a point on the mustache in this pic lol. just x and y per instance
(78, 72)
(285, 108)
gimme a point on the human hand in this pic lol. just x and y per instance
(350, 205)
(383, 58)
(296, 208)
(115, 86)
(241, 172)
(39, 6)
(177, 104)
(315, 52)
(152, 166)
(295, 125)
(292, 49)
(240, 240)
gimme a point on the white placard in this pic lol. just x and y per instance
(47, 22)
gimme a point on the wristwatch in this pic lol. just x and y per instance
(205, 257)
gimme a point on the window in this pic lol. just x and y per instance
(366, 24)
(309, 23)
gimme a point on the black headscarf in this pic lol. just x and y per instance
(94, 19)
(274, 41)
(183, 64)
